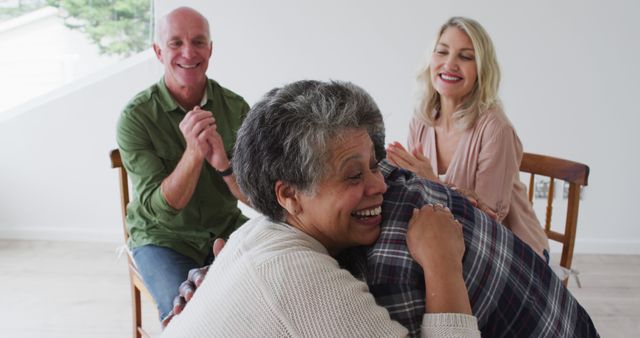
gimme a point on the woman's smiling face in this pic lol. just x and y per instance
(344, 210)
(453, 65)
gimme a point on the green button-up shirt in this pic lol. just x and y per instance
(151, 145)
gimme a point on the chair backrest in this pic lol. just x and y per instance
(116, 163)
(576, 175)
(137, 286)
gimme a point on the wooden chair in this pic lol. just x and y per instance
(576, 175)
(137, 286)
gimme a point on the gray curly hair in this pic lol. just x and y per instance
(286, 137)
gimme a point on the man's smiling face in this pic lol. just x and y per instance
(184, 48)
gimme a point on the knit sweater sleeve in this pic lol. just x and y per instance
(320, 299)
(454, 325)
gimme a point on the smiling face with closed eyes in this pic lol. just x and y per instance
(454, 72)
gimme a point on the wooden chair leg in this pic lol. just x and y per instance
(137, 287)
(136, 311)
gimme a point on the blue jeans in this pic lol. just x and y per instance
(162, 270)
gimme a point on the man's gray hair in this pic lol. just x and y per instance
(287, 135)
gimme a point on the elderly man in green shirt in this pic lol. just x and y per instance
(174, 139)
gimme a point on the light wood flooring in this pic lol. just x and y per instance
(70, 289)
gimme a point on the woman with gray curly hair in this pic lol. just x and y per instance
(307, 158)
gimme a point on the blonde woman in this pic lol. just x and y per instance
(460, 135)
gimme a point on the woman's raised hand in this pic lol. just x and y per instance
(415, 161)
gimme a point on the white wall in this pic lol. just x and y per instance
(55, 171)
(568, 84)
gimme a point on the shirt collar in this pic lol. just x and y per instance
(168, 103)
(386, 168)
(202, 102)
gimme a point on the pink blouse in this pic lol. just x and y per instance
(487, 161)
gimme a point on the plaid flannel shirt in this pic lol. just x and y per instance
(513, 292)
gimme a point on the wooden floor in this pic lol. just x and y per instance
(69, 289)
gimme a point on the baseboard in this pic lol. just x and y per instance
(62, 234)
(602, 247)
(582, 246)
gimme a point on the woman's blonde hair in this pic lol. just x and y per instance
(484, 94)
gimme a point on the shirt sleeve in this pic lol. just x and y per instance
(244, 110)
(498, 164)
(145, 167)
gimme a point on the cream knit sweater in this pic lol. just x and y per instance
(272, 280)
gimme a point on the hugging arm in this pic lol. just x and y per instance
(512, 290)
(188, 287)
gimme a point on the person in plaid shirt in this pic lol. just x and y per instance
(513, 291)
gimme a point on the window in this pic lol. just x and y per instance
(49, 43)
